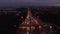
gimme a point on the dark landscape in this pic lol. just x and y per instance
(9, 19)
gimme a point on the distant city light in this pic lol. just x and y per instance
(31, 25)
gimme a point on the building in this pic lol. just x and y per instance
(31, 25)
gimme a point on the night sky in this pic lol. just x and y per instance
(19, 3)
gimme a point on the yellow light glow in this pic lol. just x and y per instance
(27, 32)
(32, 27)
(28, 28)
(22, 17)
(35, 21)
(40, 26)
(50, 26)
